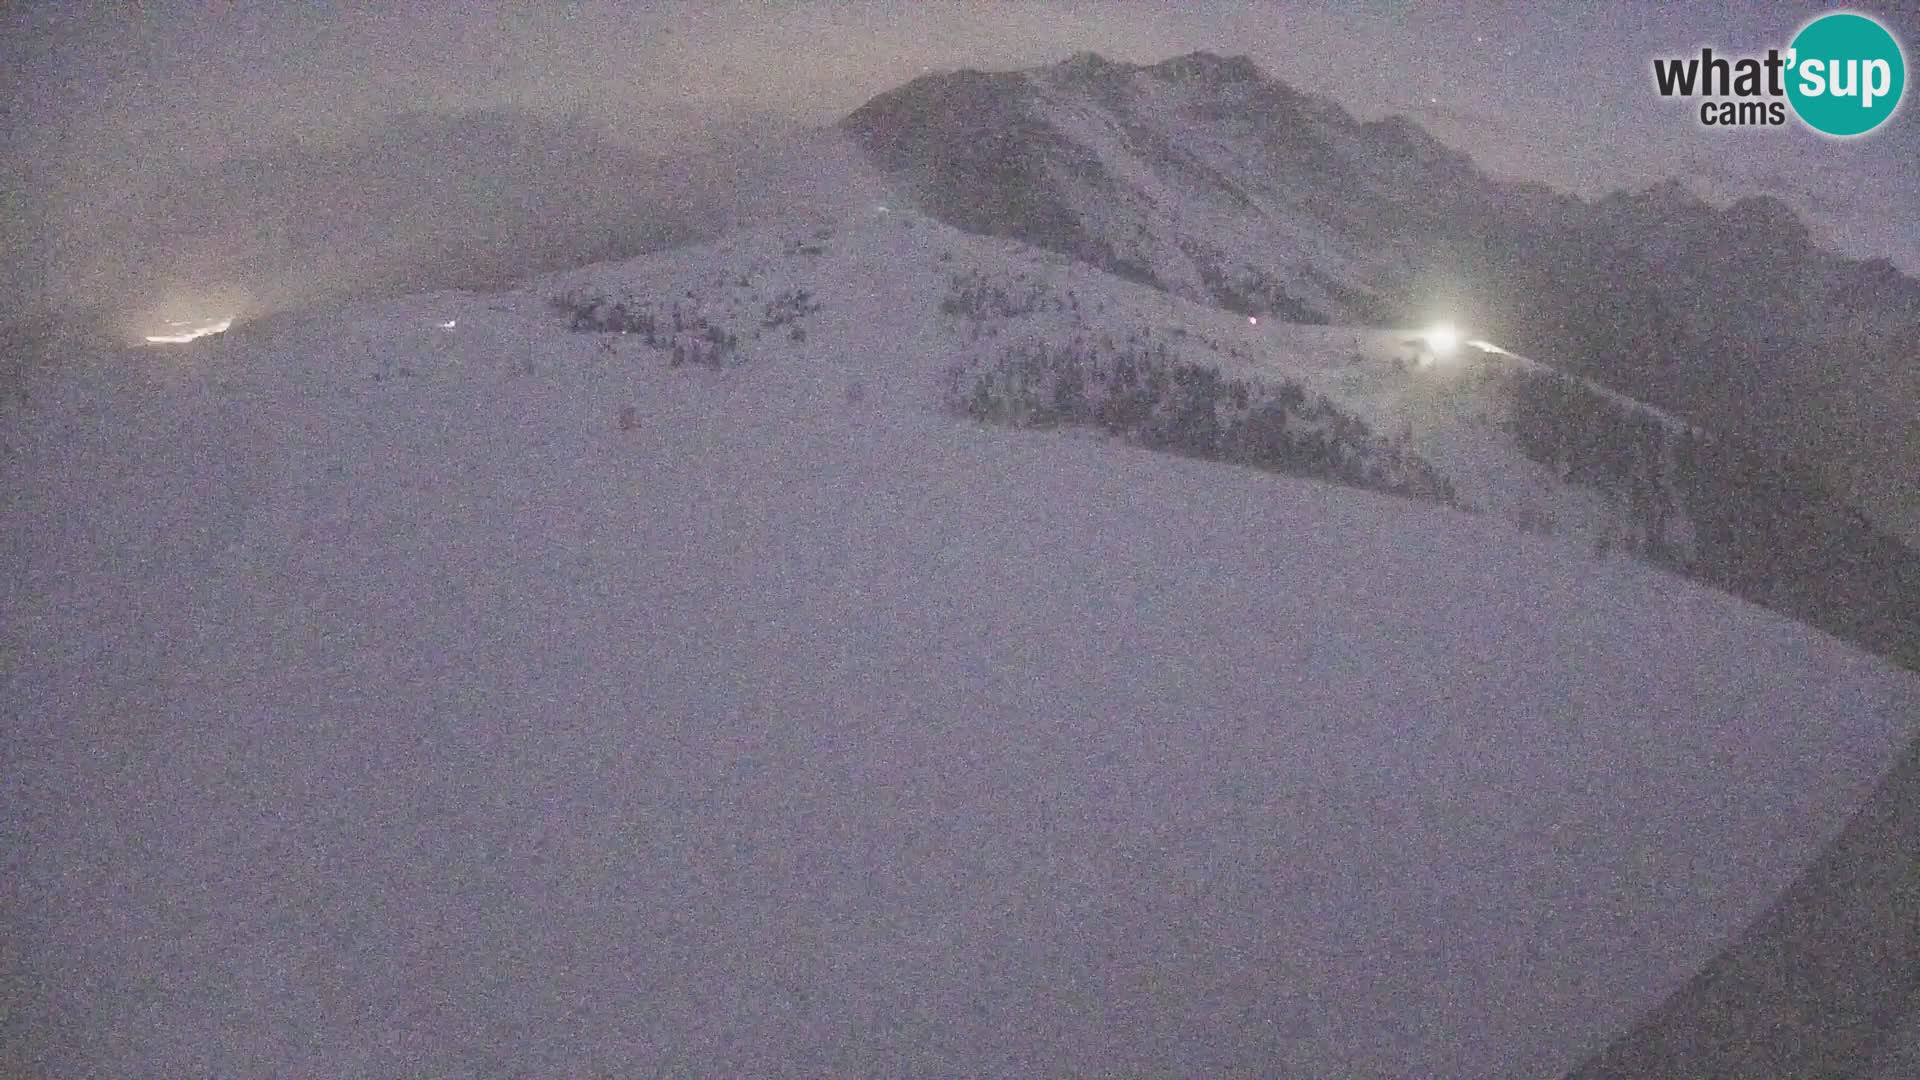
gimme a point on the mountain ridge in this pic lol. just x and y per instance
(1218, 182)
(1172, 176)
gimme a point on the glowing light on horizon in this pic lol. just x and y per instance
(183, 336)
(449, 324)
(1442, 338)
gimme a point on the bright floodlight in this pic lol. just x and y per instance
(1443, 339)
(177, 337)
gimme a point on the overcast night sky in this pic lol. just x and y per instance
(101, 106)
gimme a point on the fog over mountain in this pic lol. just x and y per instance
(103, 104)
(426, 200)
(154, 168)
(948, 539)
(860, 646)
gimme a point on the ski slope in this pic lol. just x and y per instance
(377, 705)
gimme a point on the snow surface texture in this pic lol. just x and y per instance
(1823, 984)
(376, 705)
(1901, 1059)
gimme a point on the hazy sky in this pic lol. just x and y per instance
(102, 101)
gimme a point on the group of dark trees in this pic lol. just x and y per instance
(976, 296)
(1763, 527)
(1598, 441)
(686, 337)
(789, 308)
(1139, 390)
(1250, 291)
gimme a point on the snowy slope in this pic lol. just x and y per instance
(1902, 1057)
(1212, 179)
(376, 704)
(879, 288)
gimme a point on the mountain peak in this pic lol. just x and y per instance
(1763, 209)
(1669, 201)
(1087, 60)
(1406, 132)
(1090, 69)
(1670, 192)
(1769, 218)
(1674, 193)
(1209, 67)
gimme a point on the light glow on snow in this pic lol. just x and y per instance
(178, 336)
(449, 324)
(1442, 338)
(1252, 321)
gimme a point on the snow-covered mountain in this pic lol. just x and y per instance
(1218, 182)
(1211, 178)
(663, 668)
(1199, 176)
(1208, 179)
(1034, 339)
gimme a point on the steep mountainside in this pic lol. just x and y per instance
(1211, 179)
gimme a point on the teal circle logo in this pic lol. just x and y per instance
(1846, 74)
